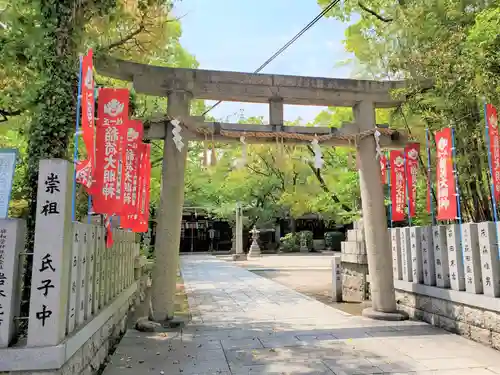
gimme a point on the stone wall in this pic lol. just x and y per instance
(92, 344)
(94, 353)
(472, 316)
(354, 265)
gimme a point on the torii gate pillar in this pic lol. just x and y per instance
(375, 222)
(168, 229)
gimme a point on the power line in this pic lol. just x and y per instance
(288, 44)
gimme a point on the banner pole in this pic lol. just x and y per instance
(429, 176)
(89, 202)
(492, 185)
(389, 187)
(457, 188)
(406, 187)
(75, 141)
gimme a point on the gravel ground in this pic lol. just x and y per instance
(313, 283)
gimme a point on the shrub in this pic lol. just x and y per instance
(290, 243)
(307, 236)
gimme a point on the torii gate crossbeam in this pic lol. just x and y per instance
(180, 86)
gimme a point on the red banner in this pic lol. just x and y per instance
(446, 193)
(107, 193)
(492, 118)
(84, 172)
(139, 221)
(130, 175)
(398, 185)
(88, 105)
(85, 168)
(383, 169)
(411, 156)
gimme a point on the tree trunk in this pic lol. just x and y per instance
(53, 121)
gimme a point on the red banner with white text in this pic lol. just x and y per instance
(139, 221)
(411, 156)
(131, 159)
(398, 185)
(107, 193)
(85, 168)
(383, 169)
(492, 118)
(446, 193)
(88, 105)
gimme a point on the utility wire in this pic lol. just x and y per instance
(288, 44)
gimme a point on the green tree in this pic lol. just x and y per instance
(453, 42)
(40, 43)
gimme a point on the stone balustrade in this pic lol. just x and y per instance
(81, 291)
(462, 258)
(449, 275)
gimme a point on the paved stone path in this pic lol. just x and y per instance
(246, 324)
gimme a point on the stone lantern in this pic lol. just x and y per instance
(254, 248)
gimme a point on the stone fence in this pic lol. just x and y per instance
(81, 291)
(449, 276)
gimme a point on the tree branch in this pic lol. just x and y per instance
(319, 177)
(4, 114)
(373, 13)
(126, 38)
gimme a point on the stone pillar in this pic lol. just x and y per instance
(12, 233)
(74, 285)
(238, 235)
(51, 255)
(98, 274)
(375, 222)
(455, 257)
(489, 259)
(428, 262)
(397, 268)
(168, 230)
(404, 236)
(416, 254)
(472, 260)
(276, 111)
(336, 279)
(441, 256)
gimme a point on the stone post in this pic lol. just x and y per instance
(428, 262)
(82, 272)
(472, 259)
(416, 254)
(336, 279)
(455, 257)
(97, 268)
(254, 248)
(375, 222)
(238, 235)
(73, 290)
(489, 259)
(168, 230)
(404, 236)
(397, 268)
(51, 255)
(12, 232)
(441, 256)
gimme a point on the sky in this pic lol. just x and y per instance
(240, 35)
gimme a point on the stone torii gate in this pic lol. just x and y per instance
(180, 86)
